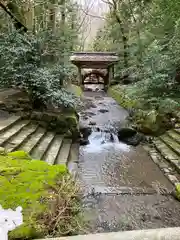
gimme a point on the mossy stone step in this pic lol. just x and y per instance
(177, 130)
(33, 140)
(73, 159)
(5, 124)
(40, 143)
(64, 152)
(40, 150)
(167, 153)
(174, 135)
(173, 144)
(52, 153)
(24, 134)
(14, 130)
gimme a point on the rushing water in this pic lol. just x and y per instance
(112, 174)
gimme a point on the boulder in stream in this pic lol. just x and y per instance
(103, 110)
(84, 142)
(85, 131)
(130, 136)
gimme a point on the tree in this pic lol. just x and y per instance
(38, 61)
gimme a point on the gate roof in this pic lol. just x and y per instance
(94, 60)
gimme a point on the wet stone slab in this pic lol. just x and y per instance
(121, 213)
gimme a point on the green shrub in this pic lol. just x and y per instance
(23, 64)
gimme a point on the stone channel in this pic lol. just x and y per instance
(122, 188)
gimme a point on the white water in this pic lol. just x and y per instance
(101, 141)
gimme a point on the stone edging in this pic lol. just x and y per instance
(165, 166)
(148, 234)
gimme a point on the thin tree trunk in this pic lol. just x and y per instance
(114, 10)
(52, 17)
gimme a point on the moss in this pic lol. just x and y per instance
(178, 191)
(19, 154)
(26, 183)
(147, 121)
(76, 90)
(67, 123)
(121, 98)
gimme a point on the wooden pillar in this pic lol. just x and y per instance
(106, 79)
(112, 71)
(80, 76)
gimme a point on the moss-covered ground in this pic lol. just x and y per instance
(151, 118)
(46, 193)
(75, 89)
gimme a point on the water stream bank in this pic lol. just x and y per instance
(123, 188)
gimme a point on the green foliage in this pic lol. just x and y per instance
(23, 63)
(152, 32)
(38, 61)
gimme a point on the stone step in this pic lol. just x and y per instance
(171, 143)
(6, 124)
(41, 148)
(165, 166)
(177, 130)
(17, 140)
(33, 140)
(64, 152)
(53, 150)
(174, 135)
(12, 131)
(164, 150)
(73, 159)
(16, 134)
(167, 153)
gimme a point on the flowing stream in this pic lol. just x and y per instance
(123, 189)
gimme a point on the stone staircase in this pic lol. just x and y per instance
(166, 153)
(28, 135)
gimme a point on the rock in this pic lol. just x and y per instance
(130, 136)
(90, 114)
(23, 101)
(103, 110)
(17, 110)
(92, 123)
(84, 142)
(85, 118)
(2, 151)
(36, 115)
(2, 105)
(125, 133)
(93, 106)
(85, 131)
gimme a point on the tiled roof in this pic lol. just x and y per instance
(94, 57)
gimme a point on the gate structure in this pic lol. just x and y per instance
(98, 64)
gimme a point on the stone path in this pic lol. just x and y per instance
(18, 134)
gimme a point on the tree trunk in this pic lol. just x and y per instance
(28, 13)
(63, 14)
(114, 9)
(124, 40)
(52, 16)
